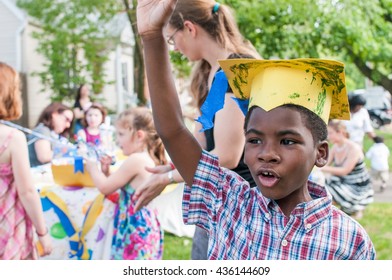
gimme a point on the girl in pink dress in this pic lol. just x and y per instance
(21, 213)
(94, 117)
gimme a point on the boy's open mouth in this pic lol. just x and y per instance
(268, 179)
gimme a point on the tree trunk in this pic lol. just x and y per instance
(138, 67)
(373, 74)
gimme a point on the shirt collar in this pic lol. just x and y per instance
(312, 212)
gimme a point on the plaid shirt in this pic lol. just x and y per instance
(243, 224)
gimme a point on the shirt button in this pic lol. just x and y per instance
(308, 226)
(284, 243)
(268, 215)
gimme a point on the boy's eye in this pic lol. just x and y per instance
(287, 142)
(254, 141)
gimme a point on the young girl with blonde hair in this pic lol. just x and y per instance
(137, 235)
(21, 213)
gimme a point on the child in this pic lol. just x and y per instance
(20, 205)
(348, 179)
(136, 235)
(94, 117)
(285, 217)
(378, 155)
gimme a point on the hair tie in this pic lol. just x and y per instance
(215, 8)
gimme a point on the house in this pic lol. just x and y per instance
(18, 49)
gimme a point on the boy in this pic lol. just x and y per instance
(285, 217)
(378, 155)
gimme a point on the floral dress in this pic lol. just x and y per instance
(16, 228)
(137, 236)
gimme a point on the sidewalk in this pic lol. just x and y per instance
(385, 196)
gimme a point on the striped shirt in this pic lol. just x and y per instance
(243, 224)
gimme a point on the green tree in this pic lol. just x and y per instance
(182, 65)
(354, 31)
(74, 42)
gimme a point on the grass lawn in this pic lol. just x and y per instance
(176, 248)
(378, 224)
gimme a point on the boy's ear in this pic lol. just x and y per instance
(322, 154)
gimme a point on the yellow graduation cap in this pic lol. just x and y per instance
(317, 84)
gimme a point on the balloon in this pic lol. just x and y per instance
(57, 231)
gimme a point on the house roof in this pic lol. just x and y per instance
(11, 6)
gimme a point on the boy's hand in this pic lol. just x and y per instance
(152, 187)
(152, 16)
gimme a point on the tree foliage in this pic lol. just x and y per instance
(353, 31)
(73, 39)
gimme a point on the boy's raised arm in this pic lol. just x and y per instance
(183, 148)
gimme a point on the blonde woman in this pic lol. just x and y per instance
(347, 177)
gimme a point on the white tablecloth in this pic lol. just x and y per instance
(78, 230)
(169, 205)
